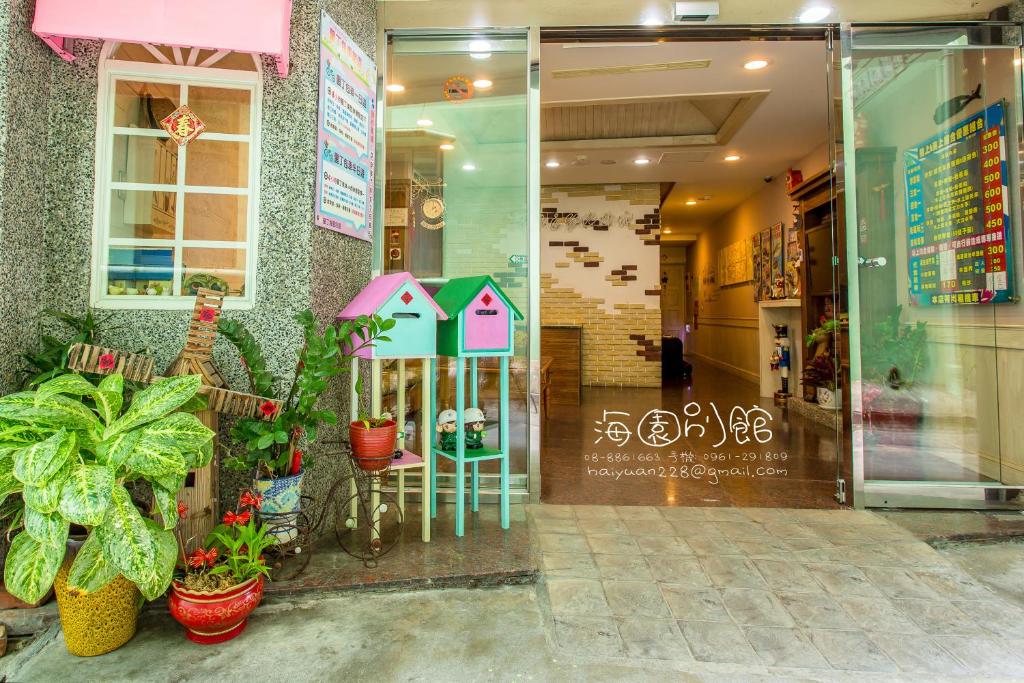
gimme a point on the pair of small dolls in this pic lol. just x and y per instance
(446, 426)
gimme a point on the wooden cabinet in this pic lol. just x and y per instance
(564, 346)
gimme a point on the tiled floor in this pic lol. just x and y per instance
(819, 593)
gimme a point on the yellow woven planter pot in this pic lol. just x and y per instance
(99, 622)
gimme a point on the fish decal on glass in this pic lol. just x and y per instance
(956, 105)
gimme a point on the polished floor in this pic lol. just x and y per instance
(729, 448)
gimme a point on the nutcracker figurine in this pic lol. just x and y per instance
(474, 419)
(780, 361)
(447, 439)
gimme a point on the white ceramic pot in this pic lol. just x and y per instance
(828, 398)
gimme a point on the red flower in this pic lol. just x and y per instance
(243, 517)
(268, 408)
(182, 511)
(208, 315)
(200, 558)
(231, 518)
(251, 500)
(106, 361)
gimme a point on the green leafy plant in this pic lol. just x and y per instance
(51, 359)
(375, 422)
(829, 327)
(69, 448)
(271, 445)
(894, 352)
(821, 372)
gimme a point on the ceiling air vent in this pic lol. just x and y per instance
(698, 12)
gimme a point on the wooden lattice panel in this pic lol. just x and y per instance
(200, 495)
(202, 330)
(236, 403)
(100, 360)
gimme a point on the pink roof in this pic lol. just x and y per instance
(373, 296)
(257, 26)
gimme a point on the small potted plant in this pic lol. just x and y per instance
(892, 357)
(70, 450)
(272, 445)
(821, 374)
(222, 583)
(373, 441)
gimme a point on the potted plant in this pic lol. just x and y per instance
(892, 357)
(373, 441)
(71, 449)
(272, 445)
(821, 374)
(222, 583)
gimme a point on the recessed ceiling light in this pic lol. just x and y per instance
(447, 146)
(667, 231)
(552, 164)
(394, 87)
(425, 123)
(691, 202)
(732, 157)
(653, 21)
(814, 14)
(642, 161)
(482, 83)
(607, 162)
(479, 46)
(468, 167)
(480, 55)
(755, 64)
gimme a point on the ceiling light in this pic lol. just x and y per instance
(755, 64)
(607, 162)
(691, 202)
(468, 167)
(480, 55)
(732, 157)
(447, 146)
(424, 123)
(641, 161)
(395, 87)
(482, 83)
(814, 14)
(479, 46)
(667, 231)
(552, 164)
(653, 21)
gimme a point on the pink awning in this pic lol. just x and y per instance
(256, 26)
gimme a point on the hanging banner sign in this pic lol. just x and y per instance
(958, 216)
(345, 142)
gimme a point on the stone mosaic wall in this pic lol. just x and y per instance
(47, 138)
(600, 270)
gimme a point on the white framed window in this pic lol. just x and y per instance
(171, 218)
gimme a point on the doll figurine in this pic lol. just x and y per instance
(446, 437)
(475, 433)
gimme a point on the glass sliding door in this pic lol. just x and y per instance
(456, 194)
(931, 131)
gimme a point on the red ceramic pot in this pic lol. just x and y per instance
(373, 448)
(215, 616)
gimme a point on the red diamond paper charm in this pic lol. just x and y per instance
(407, 298)
(487, 299)
(183, 125)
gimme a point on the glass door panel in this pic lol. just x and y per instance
(931, 125)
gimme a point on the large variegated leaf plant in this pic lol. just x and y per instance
(69, 448)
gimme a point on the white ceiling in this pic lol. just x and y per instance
(785, 126)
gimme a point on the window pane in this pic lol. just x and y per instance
(220, 217)
(142, 214)
(215, 269)
(217, 164)
(143, 105)
(223, 110)
(137, 159)
(140, 271)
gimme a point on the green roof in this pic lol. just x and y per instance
(459, 292)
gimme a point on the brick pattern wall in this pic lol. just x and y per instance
(617, 303)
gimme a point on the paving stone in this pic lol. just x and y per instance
(732, 572)
(851, 651)
(579, 565)
(953, 582)
(710, 545)
(938, 617)
(562, 543)
(781, 529)
(648, 638)
(787, 576)
(984, 655)
(767, 515)
(681, 514)
(750, 607)
(593, 636)
(555, 525)
(917, 654)
(577, 596)
(916, 554)
(635, 599)
(595, 512)
(767, 547)
(806, 543)
(611, 544)
(695, 605)
(717, 642)
(742, 530)
(678, 570)
(649, 527)
(785, 647)
(545, 511)
(814, 610)
(691, 528)
(629, 567)
(725, 514)
(638, 512)
(996, 617)
(601, 525)
(897, 582)
(843, 579)
(663, 545)
(877, 614)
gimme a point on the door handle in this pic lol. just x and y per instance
(879, 262)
